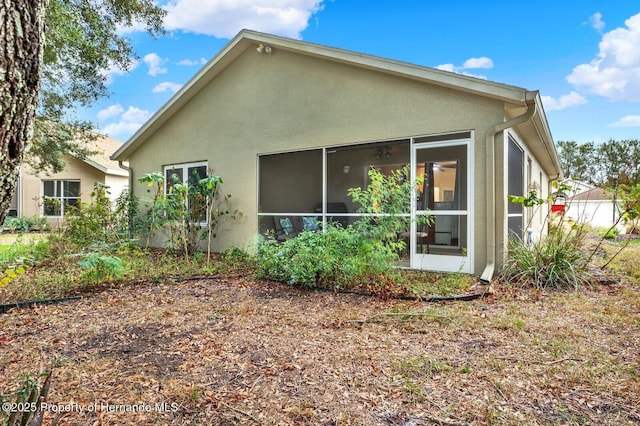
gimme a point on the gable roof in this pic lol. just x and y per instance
(101, 160)
(515, 98)
(595, 194)
(577, 186)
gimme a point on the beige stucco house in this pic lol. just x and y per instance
(291, 125)
(69, 187)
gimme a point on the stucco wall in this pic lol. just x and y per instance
(31, 190)
(286, 101)
(116, 185)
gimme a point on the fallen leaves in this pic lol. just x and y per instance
(239, 351)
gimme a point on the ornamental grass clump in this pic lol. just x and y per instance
(561, 259)
(558, 261)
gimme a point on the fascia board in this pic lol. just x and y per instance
(103, 169)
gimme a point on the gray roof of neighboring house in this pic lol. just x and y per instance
(595, 194)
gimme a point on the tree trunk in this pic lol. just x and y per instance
(21, 48)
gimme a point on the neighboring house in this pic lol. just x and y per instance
(586, 203)
(69, 187)
(595, 207)
(291, 125)
(577, 186)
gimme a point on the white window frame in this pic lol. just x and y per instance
(59, 197)
(185, 175)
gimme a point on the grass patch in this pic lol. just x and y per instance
(65, 276)
(425, 284)
(421, 367)
(627, 263)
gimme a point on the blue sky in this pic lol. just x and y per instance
(584, 57)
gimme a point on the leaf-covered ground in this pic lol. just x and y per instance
(235, 350)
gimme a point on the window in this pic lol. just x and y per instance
(188, 174)
(13, 207)
(515, 186)
(300, 189)
(290, 192)
(59, 195)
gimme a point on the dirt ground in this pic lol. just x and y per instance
(234, 350)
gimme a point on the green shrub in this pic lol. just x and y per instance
(345, 257)
(385, 205)
(17, 257)
(99, 266)
(558, 260)
(25, 224)
(336, 258)
(184, 208)
(87, 223)
(127, 222)
(608, 234)
(235, 259)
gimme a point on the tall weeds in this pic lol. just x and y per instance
(561, 259)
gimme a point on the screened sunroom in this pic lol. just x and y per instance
(304, 190)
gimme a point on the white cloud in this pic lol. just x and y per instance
(136, 115)
(615, 72)
(191, 63)
(472, 63)
(627, 121)
(224, 18)
(596, 21)
(482, 62)
(128, 121)
(447, 67)
(565, 101)
(110, 112)
(166, 86)
(155, 64)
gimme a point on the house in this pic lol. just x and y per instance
(290, 126)
(69, 187)
(594, 206)
(577, 186)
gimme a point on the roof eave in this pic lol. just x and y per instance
(547, 155)
(246, 38)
